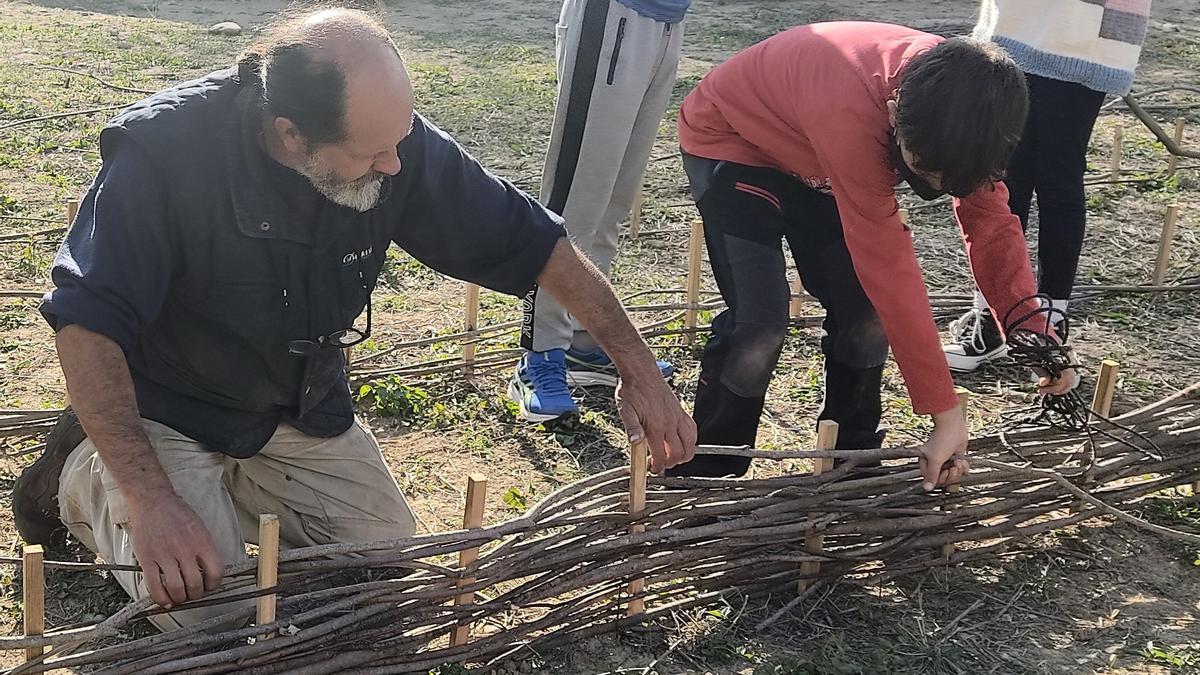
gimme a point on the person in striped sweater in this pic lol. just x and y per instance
(1073, 53)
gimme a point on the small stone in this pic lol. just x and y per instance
(1168, 27)
(225, 28)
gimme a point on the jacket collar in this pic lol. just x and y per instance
(260, 210)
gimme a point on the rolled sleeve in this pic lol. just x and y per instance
(465, 222)
(112, 271)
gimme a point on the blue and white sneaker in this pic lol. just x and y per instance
(594, 368)
(539, 387)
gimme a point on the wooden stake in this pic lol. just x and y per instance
(638, 455)
(827, 433)
(1106, 385)
(268, 567)
(1114, 161)
(695, 246)
(635, 216)
(471, 325)
(34, 592)
(797, 303)
(1164, 245)
(347, 355)
(472, 519)
(903, 213)
(1173, 161)
(1102, 398)
(964, 398)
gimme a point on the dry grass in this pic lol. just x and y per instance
(1084, 600)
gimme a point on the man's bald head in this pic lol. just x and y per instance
(335, 95)
(307, 63)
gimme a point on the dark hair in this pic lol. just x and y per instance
(299, 80)
(961, 110)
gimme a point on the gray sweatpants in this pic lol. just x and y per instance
(616, 70)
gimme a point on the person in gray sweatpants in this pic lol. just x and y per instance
(616, 69)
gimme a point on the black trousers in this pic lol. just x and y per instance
(747, 213)
(1051, 160)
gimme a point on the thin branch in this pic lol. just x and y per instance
(25, 236)
(73, 113)
(104, 82)
(1159, 133)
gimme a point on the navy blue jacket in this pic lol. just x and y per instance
(202, 258)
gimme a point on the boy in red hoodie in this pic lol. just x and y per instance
(805, 136)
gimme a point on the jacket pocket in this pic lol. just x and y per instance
(616, 53)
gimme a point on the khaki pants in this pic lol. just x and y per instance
(324, 490)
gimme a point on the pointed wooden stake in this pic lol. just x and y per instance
(34, 596)
(635, 215)
(695, 248)
(827, 433)
(964, 398)
(471, 324)
(638, 456)
(72, 211)
(472, 519)
(1163, 261)
(268, 567)
(1173, 160)
(1114, 161)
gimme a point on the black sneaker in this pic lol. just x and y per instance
(35, 493)
(977, 341)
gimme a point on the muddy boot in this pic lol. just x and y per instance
(35, 493)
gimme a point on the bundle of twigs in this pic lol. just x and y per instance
(560, 572)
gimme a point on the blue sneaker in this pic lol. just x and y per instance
(592, 368)
(539, 386)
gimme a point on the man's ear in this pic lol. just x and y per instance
(892, 107)
(289, 133)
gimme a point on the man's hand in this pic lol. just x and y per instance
(175, 550)
(171, 543)
(649, 409)
(650, 412)
(944, 455)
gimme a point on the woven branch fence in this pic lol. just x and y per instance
(619, 548)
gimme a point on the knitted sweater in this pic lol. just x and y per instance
(1096, 43)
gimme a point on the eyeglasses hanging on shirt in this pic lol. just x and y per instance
(338, 339)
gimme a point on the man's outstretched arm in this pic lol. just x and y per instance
(649, 409)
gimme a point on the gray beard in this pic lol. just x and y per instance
(361, 194)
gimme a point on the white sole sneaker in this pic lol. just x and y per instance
(966, 363)
(514, 394)
(584, 378)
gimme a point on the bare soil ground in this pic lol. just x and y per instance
(1097, 598)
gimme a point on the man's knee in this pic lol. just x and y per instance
(377, 509)
(753, 353)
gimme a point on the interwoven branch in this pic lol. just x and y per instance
(559, 572)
